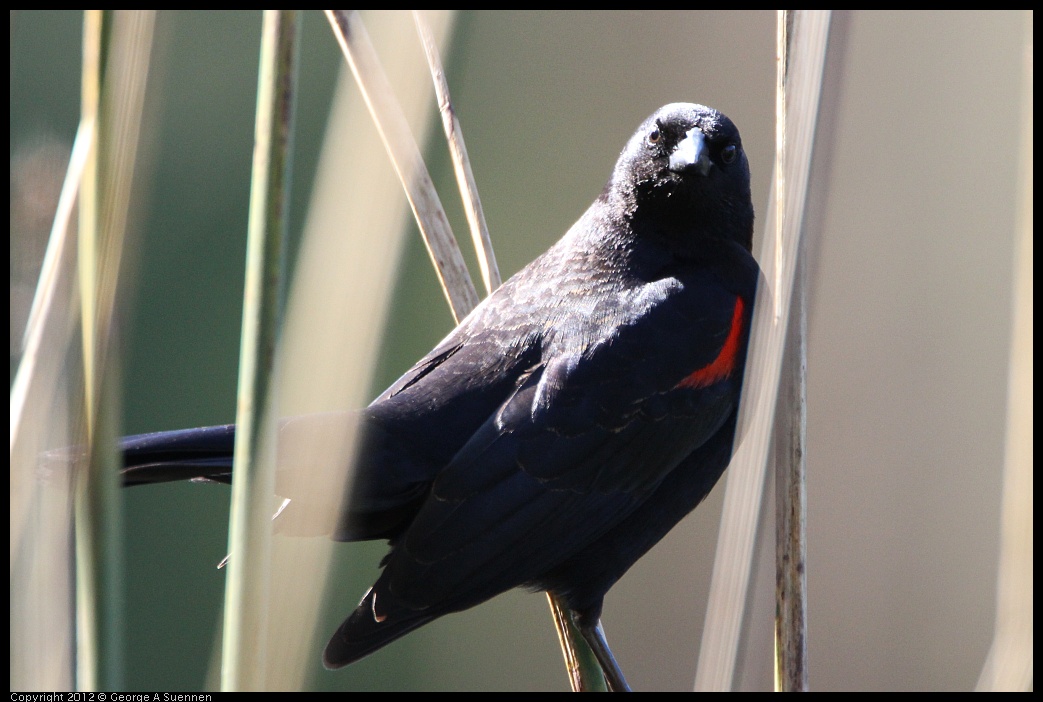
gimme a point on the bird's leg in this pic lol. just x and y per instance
(594, 634)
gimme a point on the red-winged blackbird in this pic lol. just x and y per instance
(571, 420)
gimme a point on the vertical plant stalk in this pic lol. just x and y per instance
(246, 594)
(94, 44)
(791, 607)
(406, 159)
(483, 244)
(791, 674)
(117, 48)
(581, 665)
(729, 587)
(89, 532)
(584, 671)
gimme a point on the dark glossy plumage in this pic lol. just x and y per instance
(573, 417)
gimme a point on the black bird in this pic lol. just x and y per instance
(571, 420)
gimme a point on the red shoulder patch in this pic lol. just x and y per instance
(722, 366)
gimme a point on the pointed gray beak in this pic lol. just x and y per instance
(691, 151)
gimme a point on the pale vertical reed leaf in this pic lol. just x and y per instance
(337, 307)
(117, 51)
(244, 650)
(742, 502)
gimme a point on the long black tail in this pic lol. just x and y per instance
(186, 454)
(312, 468)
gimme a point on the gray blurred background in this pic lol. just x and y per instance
(910, 317)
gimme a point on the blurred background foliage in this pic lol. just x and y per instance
(908, 336)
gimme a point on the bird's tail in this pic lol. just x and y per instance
(312, 480)
(204, 453)
(313, 464)
(377, 621)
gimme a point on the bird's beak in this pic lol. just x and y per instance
(691, 151)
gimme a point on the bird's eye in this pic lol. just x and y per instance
(654, 136)
(729, 152)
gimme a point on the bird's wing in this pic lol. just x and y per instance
(415, 427)
(579, 444)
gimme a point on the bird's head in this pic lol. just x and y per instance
(684, 173)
